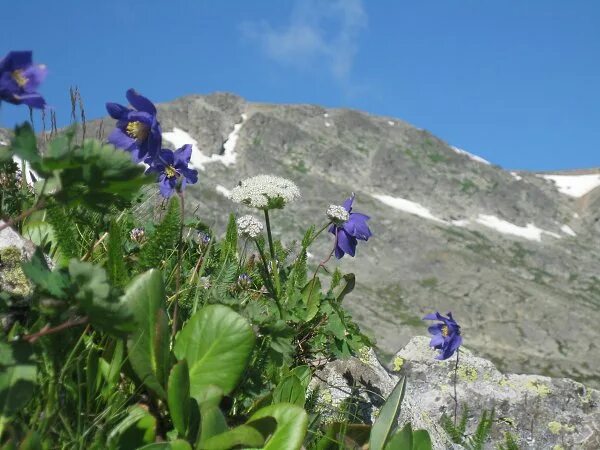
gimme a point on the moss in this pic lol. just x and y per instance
(538, 387)
(12, 277)
(364, 355)
(558, 447)
(397, 364)
(555, 427)
(467, 373)
(326, 396)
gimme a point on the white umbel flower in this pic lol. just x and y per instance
(265, 192)
(337, 214)
(249, 227)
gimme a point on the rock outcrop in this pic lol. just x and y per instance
(539, 412)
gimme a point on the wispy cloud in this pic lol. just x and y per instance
(319, 33)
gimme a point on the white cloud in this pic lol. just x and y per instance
(318, 32)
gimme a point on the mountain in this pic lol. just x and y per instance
(514, 255)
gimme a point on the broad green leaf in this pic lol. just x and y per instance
(148, 344)
(401, 440)
(290, 390)
(422, 440)
(311, 294)
(174, 445)
(386, 422)
(212, 423)
(292, 423)
(217, 343)
(18, 373)
(304, 374)
(95, 298)
(135, 430)
(244, 435)
(178, 396)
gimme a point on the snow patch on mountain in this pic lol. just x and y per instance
(408, 206)
(530, 231)
(179, 138)
(223, 191)
(470, 155)
(568, 230)
(574, 185)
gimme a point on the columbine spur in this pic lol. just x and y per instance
(137, 130)
(19, 79)
(446, 335)
(348, 231)
(265, 192)
(172, 169)
(249, 227)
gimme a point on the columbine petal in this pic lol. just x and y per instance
(346, 242)
(116, 111)
(183, 155)
(140, 102)
(348, 203)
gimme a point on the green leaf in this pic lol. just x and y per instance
(93, 294)
(229, 244)
(117, 273)
(347, 286)
(243, 435)
(311, 294)
(148, 345)
(217, 343)
(386, 422)
(31, 442)
(24, 144)
(290, 390)
(52, 283)
(161, 244)
(212, 424)
(174, 445)
(135, 430)
(421, 440)
(304, 374)
(292, 423)
(401, 440)
(18, 373)
(178, 397)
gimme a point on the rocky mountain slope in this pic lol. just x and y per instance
(515, 256)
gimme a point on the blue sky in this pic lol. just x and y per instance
(516, 82)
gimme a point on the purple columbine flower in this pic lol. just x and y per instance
(348, 231)
(446, 335)
(137, 130)
(19, 79)
(172, 169)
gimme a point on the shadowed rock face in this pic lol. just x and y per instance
(527, 296)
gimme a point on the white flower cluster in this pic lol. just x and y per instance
(337, 214)
(265, 192)
(249, 226)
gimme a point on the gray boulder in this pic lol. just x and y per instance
(539, 412)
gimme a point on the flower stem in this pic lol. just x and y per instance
(268, 279)
(455, 397)
(274, 268)
(178, 275)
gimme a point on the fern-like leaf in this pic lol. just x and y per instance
(117, 272)
(164, 240)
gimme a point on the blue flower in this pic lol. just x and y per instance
(19, 79)
(348, 230)
(446, 335)
(172, 169)
(137, 130)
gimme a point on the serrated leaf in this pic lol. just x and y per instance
(52, 283)
(217, 343)
(148, 345)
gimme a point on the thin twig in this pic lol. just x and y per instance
(455, 397)
(31, 338)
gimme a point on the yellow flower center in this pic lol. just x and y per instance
(137, 130)
(19, 78)
(445, 330)
(170, 172)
